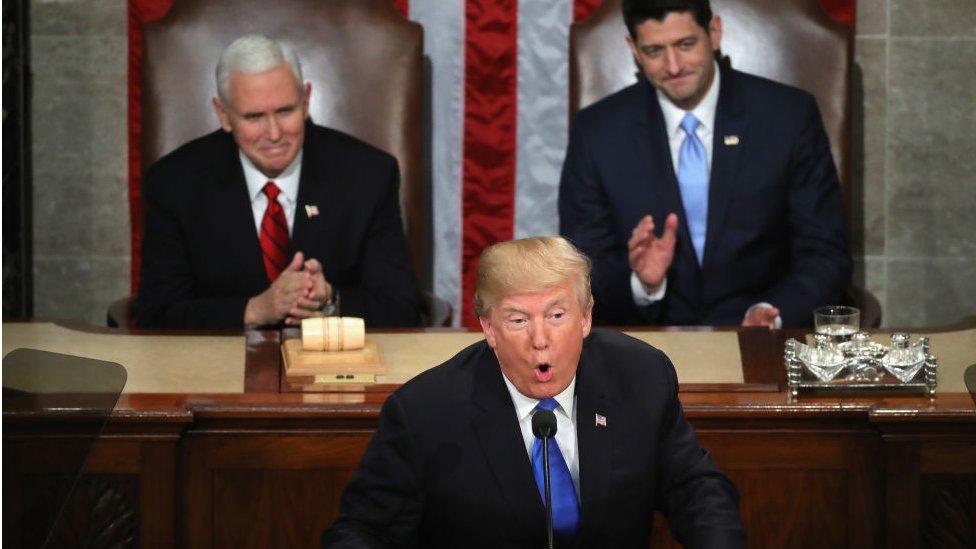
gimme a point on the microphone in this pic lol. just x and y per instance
(544, 427)
(544, 423)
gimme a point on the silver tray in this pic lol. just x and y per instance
(855, 375)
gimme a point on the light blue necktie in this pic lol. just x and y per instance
(565, 506)
(693, 181)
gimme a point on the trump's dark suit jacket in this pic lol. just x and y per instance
(201, 258)
(447, 466)
(775, 228)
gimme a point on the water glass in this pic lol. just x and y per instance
(838, 322)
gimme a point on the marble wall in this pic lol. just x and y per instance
(915, 159)
(80, 155)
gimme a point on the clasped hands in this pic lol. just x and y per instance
(300, 291)
(650, 257)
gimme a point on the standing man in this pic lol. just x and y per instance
(703, 195)
(273, 218)
(454, 461)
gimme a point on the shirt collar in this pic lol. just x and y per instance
(287, 181)
(524, 405)
(704, 111)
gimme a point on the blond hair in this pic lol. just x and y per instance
(530, 265)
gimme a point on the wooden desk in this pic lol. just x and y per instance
(265, 466)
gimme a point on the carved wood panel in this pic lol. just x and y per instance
(948, 511)
(101, 511)
(275, 508)
(787, 508)
(265, 490)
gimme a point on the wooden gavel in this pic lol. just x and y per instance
(333, 333)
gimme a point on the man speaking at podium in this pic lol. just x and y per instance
(454, 461)
(272, 218)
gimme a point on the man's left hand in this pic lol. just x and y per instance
(761, 316)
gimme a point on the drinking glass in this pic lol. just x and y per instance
(838, 322)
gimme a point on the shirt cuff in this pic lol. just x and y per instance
(642, 298)
(777, 322)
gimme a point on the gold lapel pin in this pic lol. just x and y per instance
(731, 140)
(311, 210)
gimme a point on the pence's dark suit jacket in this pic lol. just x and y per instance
(201, 259)
(447, 466)
(775, 227)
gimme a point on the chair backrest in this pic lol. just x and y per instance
(364, 60)
(791, 41)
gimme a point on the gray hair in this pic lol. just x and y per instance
(253, 54)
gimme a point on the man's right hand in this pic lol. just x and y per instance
(649, 255)
(274, 304)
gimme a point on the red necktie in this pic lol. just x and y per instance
(274, 234)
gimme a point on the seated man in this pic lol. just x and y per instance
(272, 218)
(454, 461)
(703, 195)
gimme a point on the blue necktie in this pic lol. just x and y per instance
(565, 506)
(693, 181)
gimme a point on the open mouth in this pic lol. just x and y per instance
(543, 373)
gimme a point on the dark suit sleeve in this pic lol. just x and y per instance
(700, 503)
(166, 286)
(382, 504)
(386, 293)
(585, 219)
(820, 263)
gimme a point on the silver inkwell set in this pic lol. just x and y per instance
(845, 359)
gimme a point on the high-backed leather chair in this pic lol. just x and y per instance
(790, 41)
(363, 59)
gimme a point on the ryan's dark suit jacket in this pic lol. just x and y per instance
(447, 466)
(775, 212)
(201, 259)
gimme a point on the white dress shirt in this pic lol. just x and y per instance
(287, 181)
(565, 424)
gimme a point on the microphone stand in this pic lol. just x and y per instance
(545, 476)
(544, 427)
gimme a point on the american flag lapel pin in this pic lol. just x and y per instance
(731, 140)
(601, 420)
(311, 210)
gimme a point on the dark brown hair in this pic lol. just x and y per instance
(636, 12)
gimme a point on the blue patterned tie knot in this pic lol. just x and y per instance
(547, 404)
(693, 183)
(565, 504)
